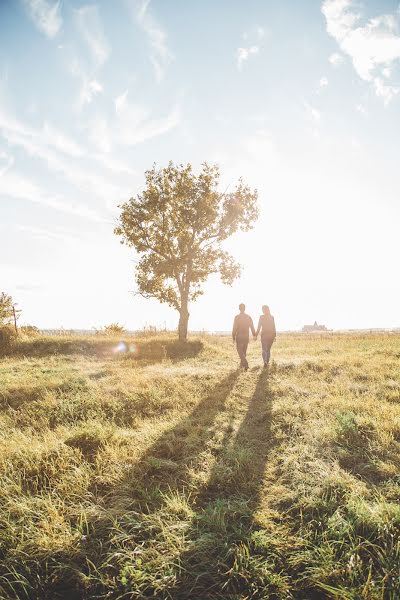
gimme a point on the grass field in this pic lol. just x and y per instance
(166, 472)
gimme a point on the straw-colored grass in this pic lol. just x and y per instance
(163, 471)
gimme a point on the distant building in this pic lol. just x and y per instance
(315, 327)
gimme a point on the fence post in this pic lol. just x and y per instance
(15, 320)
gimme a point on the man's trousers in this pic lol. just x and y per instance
(241, 346)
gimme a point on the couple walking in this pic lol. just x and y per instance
(240, 334)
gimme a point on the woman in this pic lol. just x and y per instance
(266, 324)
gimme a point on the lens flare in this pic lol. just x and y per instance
(120, 347)
(133, 349)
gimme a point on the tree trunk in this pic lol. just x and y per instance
(184, 306)
(183, 324)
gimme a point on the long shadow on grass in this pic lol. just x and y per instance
(133, 349)
(218, 562)
(165, 464)
(131, 504)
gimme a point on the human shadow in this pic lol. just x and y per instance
(226, 506)
(165, 463)
(163, 468)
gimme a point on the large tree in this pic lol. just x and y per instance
(177, 226)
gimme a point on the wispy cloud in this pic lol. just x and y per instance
(64, 156)
(314, 116)
(131, 124)
(48, 235)
(91, 29)
(30, 287)
(16, 185)
(243, 53)
(373, 47)
(135, 124)
(6, 162)
(312, 112)
(47, 136)
(89, 86)
(86, 66)
(160, 55)
(45, 15)
(120, 102)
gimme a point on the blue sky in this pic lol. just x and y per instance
(302, 99)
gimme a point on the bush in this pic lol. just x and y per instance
(6, 309)
(8, 335)
(29, 330)
(114, 329)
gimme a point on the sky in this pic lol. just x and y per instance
(301, 99)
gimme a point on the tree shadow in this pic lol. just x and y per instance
(133, 349)
(225, 508)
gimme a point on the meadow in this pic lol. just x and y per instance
(164, 471)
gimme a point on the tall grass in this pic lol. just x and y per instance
(150, 468)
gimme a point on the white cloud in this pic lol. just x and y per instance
(160, 55)
(362, 110)
(323, 82)
(384, 91)
(243, 53)
(372, 47)
(336, 59)
(90, 87)
(90, 26)
(89, 90)
(45, 15)
(312, 112)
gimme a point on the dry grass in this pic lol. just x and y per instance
(165, 472)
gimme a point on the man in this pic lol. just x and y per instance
(266, 324)
(240, 334)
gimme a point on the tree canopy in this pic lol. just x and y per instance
(177, 226)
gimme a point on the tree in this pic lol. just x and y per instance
(177, 226)
(6, 309)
